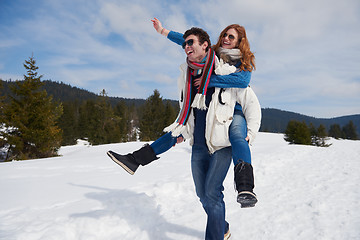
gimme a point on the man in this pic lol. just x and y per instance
(208, 170)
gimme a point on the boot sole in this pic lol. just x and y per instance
(227, 236)
(247, 203)
(120, 164)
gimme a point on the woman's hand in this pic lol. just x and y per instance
(157, 25)
(179, 140)
(159, 28)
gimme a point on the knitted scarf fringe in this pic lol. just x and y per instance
(175, 129)
(199, 101)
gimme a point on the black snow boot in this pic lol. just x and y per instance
(244, 183)
(131, 161)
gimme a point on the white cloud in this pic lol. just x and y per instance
(305, 50)
(12, 77)
(82, 77)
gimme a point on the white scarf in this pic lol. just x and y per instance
(229, 55)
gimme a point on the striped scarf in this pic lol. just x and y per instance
(198, 101)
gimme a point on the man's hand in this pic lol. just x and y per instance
(197, 82)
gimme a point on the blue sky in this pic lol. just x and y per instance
(307, 51)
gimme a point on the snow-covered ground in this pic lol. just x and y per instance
(304, 192)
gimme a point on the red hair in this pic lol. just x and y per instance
(247, 57)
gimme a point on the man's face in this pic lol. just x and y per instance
(195, 52)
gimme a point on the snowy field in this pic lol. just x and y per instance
(304, 192)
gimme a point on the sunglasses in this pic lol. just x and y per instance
(231, 37)
(189, 42)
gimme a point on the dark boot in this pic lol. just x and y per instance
(131, 161)
(244, 183)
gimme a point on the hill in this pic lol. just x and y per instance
(64, 92)
(273, 120)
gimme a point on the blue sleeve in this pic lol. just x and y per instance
(176, 37)
(239, 79)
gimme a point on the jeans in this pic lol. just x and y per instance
(163, 143)
(237, 135)
(209, 172)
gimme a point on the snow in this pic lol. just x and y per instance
(304, 192)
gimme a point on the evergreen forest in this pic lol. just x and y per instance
(38, 116)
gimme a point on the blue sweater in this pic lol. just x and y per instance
(239, 79)
(200, 117)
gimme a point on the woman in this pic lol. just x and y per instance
(233, 47)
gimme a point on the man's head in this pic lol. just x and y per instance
(196, 45)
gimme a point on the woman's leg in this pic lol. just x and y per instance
(243, 171)
(163, 143)
(145, 155)
(237, 135)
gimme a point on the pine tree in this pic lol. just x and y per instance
(314, 134)
(122, 112)
(152, 118)
(322, 136)
(2, 119)
(134, 129)
(98, 122)
(336, 132)
(297, 133)
(350, 131)
(169, 114)
(109, 131)
(32, 116)
(69, 122)
(2, 104)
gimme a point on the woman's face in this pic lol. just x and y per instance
(230, 39)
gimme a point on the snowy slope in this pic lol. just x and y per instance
(304, 192)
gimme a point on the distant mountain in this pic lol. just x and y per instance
(64, 92)
(273, 120)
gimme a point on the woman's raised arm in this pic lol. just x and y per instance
(171, 35)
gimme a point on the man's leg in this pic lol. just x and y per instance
(199, 165)
(214, 204)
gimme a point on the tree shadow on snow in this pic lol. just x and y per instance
(137, 209)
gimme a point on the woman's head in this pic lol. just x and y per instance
(230, 39)
(234, 36)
